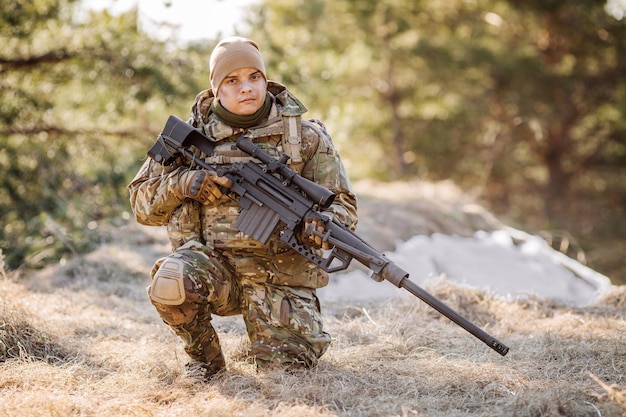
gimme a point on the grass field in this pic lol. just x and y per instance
(82, 340)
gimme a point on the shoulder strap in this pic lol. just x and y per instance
(292, 134)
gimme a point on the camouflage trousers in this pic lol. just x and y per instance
(283, 323)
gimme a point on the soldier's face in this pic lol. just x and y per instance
(243, 91)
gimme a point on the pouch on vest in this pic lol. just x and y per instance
(292, 135)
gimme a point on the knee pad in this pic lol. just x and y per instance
(168, 286)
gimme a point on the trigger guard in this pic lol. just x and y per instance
(325, 263)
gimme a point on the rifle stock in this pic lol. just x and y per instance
(274, 197)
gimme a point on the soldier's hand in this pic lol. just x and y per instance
(313, 233)
(202, 185)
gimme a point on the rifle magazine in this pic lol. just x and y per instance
(258, 222)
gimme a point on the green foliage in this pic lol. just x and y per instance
(521, 101)
(82, 97)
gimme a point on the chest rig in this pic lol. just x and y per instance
(282, 133)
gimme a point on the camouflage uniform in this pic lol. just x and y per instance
(225, 272)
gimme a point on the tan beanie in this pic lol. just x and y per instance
(231, 54)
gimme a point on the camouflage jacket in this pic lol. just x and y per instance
(156, 202)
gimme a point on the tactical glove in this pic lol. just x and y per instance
(202, 185)
(313, 231)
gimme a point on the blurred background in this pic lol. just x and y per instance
(521, 104)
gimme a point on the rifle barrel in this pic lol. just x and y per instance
(429, 299)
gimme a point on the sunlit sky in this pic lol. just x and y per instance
(616, 8)
(195, 19)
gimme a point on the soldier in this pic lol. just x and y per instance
(214, 268)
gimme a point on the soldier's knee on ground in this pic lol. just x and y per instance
(285, 326)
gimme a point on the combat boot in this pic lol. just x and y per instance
(203, 371)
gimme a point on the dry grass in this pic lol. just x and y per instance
(82, 340)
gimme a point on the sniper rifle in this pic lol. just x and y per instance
(272, 195)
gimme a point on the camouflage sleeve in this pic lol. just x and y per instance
(325, 168)
(154, 193)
